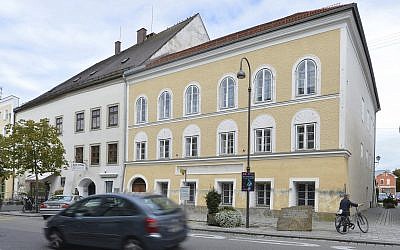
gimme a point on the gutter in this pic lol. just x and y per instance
(125, 133)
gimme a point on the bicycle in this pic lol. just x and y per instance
(343, 223)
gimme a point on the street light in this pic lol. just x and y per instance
(242, 75)
(374, 195)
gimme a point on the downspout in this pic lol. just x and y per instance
(125, 131)
(13, 174)
(374, 195)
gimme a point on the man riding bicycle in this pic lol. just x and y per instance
(345, 205)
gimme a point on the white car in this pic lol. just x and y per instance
(57, 203)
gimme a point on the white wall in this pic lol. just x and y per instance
(84, 100)
(357, 132)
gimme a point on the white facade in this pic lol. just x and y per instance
(77, 175)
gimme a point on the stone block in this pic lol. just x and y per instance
(297, 218)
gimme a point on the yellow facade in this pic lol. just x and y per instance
(330, 170)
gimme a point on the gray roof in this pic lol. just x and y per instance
(112, 67)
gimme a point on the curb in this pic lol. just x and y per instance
(230, 231)
(21, 214)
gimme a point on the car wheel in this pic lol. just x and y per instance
(45, 217)
(132, 244)
(56, 240)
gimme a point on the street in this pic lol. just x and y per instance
(21, 233)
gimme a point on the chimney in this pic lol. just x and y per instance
(117, 47)
(141, 35)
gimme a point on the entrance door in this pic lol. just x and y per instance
(91, 188)
(139, 185)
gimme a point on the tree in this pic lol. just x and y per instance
(397, 173)
(5, 168)
(37, 149)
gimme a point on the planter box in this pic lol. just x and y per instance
(211, 220)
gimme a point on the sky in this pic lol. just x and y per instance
(43, 43)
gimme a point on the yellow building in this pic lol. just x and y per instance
(313, 106)
(7, 105)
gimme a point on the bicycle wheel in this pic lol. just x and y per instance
(362, 223)
(340, 224)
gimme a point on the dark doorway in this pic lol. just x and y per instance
(139, 185)
(91, 188)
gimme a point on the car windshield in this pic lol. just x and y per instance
(160, 204)
(60, 198)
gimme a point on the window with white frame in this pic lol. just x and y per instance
(164, 188)
(192, 97)
(59, 125)
(164, 150)
(263, 194)
(262, 139)
(141, 110)
(95, 119)
(191, 146)
(263, 86)
(164, 106)
(79, 154)
(113, 116)
(305, 194)
(227, 93)
(227, 143)
(227, 193)
(141, 150)
(112, 153)
(80, 122)
(306, 77)
(192, 192)
(305, 136)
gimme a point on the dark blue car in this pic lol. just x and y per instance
(119, 221)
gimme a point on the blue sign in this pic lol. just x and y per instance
(248, 181)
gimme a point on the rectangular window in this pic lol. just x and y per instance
(113, 116)
(95, 155)
(227, 193)
(62, 181)
(95, 124)
(306, 194)
(59, 125)
(192, 192)
(112, 153)
(141, 150)
(191, 146)
(381, 181)
(79, 154)
(164, 188)
(263, 194)
(109, 186)
(227, 143)
(305, 136)
(263, 140)
(80, 122)
(164, 148)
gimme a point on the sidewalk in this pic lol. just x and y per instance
(384, 227)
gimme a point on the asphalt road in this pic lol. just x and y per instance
(20, 233)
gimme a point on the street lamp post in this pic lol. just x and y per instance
(242, 75)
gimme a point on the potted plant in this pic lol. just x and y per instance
(213, 199)
(389, 202)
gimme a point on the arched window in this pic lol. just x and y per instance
(306, 130)
(227, 133)
(141, 146)
(306, 77)
(227, 93)
(263, 135)
(191, 141)
(263, 86)
(164, 105)
(192, 96)
(141, 110)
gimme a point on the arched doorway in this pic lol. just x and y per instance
(86, 187)
(139, 185)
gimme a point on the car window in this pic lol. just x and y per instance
(115, 206)
(160, 204)
(89, 207)
(61, 198)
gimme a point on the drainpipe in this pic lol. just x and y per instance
(125, 137)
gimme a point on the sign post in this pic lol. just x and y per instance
(248, 181)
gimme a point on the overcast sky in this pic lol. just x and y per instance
(43, 43)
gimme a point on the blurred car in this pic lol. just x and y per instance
(397, 196)
(119, 221)
(382, 196)
(57, 203)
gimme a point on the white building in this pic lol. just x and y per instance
(89, 110)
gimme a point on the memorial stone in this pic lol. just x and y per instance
(297, 218)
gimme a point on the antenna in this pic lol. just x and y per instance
(151, 26)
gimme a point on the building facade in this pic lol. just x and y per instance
(89, 111)
(313, 106)
(7, 105)
(386, 182)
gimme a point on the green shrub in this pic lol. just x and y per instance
(227, 208)
(389, 203)
(213, 199)
(228, 218)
